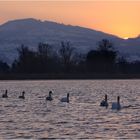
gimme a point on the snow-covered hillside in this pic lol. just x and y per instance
(31, 31)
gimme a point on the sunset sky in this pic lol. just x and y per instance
(121, 18)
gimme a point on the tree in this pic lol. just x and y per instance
(43, 55)
(103, 59)
(67, 55)
(122, 65)
(105, 45)
(26, 62)
(4, 67)
(47, 58)
(44, 50)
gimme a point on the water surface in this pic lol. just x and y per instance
(34, 118)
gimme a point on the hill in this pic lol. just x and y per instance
(31, 31)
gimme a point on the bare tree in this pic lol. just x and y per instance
(67, 54)
(105, 45)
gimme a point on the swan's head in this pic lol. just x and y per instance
(6, 91)
(23, 93)
(50, 93)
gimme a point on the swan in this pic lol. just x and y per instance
(65, 99)
(116, 105)
(5, 94)
(49, 98)
(22, 96)
(104, 102)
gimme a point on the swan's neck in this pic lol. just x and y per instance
(118, 100)
(50, 95)
(105, 98)
(67, 98)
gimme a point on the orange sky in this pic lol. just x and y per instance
(121, 18)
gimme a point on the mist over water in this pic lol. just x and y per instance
(37, 118)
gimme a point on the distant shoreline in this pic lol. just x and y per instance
(67, 76)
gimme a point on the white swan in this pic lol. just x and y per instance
(116, 105)
(104, 102)
(65, 99)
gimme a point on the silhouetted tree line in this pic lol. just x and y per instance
(104, 60)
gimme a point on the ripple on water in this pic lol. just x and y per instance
(34, 118)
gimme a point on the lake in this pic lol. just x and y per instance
(36, 118)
